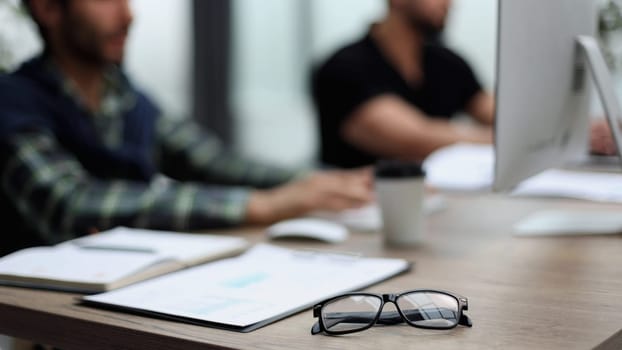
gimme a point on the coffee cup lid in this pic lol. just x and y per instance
(398, 169)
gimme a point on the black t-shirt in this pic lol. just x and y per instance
(360, 72)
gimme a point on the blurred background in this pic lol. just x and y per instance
(242, 67)
(276, 42)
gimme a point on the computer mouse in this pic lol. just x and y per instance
(317, 229)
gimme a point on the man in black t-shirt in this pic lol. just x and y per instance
(391, 94)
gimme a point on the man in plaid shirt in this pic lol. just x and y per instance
(81, 149)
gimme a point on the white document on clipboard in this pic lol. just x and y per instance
(263, 285)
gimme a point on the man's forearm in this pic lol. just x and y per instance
(389, 127)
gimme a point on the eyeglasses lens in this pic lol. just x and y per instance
(429, 309)
(350, 313)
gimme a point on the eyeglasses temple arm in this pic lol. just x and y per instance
(465, 321)
(316, 328)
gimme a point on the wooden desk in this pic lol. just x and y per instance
(540, 293)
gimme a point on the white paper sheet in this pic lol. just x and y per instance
(261, 284)
(461, 167)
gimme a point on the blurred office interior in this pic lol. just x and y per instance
(242, 66)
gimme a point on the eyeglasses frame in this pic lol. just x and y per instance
(463, 305)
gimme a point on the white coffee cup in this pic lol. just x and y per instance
(400, 191)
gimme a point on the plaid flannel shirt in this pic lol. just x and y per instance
(59, 199)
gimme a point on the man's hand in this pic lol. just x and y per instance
(474, 133)
(332, 190)
(601, 141)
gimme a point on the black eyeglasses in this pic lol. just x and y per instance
(421, 308)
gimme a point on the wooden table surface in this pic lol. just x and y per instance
(539, 293)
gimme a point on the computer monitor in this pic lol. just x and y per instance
(546, 52)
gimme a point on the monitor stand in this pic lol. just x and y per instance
(580, 222)
(589, 49)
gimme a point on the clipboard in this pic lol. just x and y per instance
(245, 293)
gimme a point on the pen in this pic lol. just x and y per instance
(118, 248)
